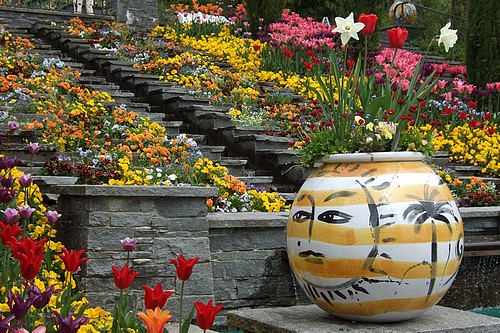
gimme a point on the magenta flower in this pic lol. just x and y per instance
(13, 126)
(10, 215)
(52, 216)
(129, 244)
(26, 179)
(26, 211)
(33, 148)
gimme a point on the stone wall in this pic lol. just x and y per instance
(166, 221)
(243, 255)
(243, 261)
(26, 17)
(249, 262)
(139, 14)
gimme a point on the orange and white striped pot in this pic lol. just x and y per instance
(375, 237)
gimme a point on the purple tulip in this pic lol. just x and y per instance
(68, 324)
(129, 244)
(6, 181)
(52, 216)
(26, 179)
(6, 194)
(8, 163)
(33, 148)
(4, 324)
(10, 215)
(18, 305)
(13, 126)
(26, 211)
(38, 298)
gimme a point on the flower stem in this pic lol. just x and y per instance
(180, 307)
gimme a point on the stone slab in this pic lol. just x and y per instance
(174, 327)
(311, 319)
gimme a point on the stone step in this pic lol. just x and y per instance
(260, 182)
(138, 80)
(107, 87)
(91, 79)
(213, 153)
(235, 166)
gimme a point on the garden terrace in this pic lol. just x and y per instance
(243, 254)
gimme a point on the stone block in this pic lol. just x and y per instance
(180, 224)
(130, 219)
(96, 218)
(256, 238)
(169, 248)
(272, 290)
(181, 207)
(311, 319)
(103, 238)
(243, 255)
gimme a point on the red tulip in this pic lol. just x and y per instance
(308, 65)
(30, 265)
(72, 259)
(157, 297)
(184, 267)
(397, 37)
(124, 277)
(206, 314)
(27, 246)
(475, 123)
(9, 232)
(369, 20)
(29, 253)
(288, 53)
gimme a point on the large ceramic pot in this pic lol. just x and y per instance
(375, 237)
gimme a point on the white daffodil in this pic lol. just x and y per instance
(448, 36)
(348, 28)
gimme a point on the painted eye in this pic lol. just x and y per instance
(334, 216)
(301, 216)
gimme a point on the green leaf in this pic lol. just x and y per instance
(187, 323)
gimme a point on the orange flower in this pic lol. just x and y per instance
(155, 320)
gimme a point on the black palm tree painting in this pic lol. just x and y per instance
(428, 210)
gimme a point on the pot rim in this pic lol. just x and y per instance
(389, 156)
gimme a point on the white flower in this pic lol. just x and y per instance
(448, 36)
(348, 28)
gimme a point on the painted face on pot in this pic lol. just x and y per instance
(349, 235)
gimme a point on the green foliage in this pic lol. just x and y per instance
(325, 144)
(333, 8)
(483, 63)
(265, 11)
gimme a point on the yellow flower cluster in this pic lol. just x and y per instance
(474, 146)
(267, 201)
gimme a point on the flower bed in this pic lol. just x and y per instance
(105, 144)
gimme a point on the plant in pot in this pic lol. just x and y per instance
(374, 233)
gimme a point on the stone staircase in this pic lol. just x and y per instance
(259, 159)
(245, 151)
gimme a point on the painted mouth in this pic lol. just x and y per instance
(312, 257)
